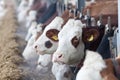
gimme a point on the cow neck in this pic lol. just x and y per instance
(109, 70)
(116, 68)
(80, 64)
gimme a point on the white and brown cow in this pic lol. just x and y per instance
(92, 66)
(48, 41)
(22, 11)
(29, 53)
(31, 18)
(71, 51)
(62, 71)
(32, 28)
(100, 69)
(47, 44)
(70, 43)
(44, 63)
(71, 46)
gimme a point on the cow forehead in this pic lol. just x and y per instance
(70, 32)
(55, 24)
(72, 27)
(42, 39)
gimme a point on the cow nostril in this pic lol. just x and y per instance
(39, 63)
(36, 46)
(60, 56)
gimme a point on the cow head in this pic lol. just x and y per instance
(48, 41)
(44, 63)
(71, 46)
(62, 71)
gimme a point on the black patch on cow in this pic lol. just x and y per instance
(48, 44)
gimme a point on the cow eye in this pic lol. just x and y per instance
(52, 34)
(75, 41)
(48, 44)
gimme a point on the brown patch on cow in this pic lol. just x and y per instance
(90, 32)
(108, 73)
(52, 34)
(93, 45)
(67, 74)
(118, 60)
(75, 41)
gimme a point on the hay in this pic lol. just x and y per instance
(9, 52)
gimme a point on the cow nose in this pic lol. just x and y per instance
(35, 46)
(57, 58)
(60, 56)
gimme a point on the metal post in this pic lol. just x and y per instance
(81, 4)
(118, 41)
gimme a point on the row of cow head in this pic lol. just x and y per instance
(70, 38)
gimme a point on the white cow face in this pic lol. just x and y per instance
(47, 43)
(62, 71)
(70, 48)
(44, 63)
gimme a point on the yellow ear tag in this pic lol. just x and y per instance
(91, 38)
(55, 37)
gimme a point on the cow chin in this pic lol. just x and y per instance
(40, 52)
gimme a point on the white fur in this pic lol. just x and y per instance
(44, 63)
(92, 67)
(70, 54)
(55, 24)
(22, 16)
(32, 27)
(98, 23)
(22, 11)
(30, 3)
(31, 17)
(2, 3)
(29, 53)
(39, 27)
(23, 5)
(2, 8)
(60, 69)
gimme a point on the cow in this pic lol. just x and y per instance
(29, 33)
(47, 43)
(29, 54)
(101, 69)
(71, 46)
(2, 8)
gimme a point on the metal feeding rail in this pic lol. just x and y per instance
(118, 41)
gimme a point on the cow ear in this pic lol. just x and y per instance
(52, 34)
(38, 35)
(90, 34)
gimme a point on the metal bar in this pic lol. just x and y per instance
(118, 41)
